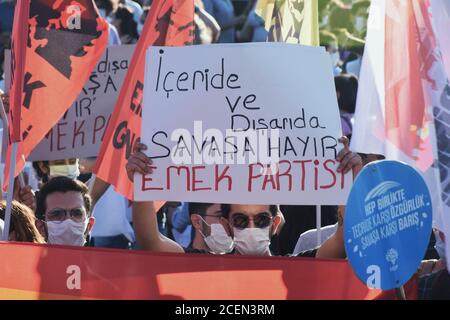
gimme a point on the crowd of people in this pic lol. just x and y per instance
(60, 204)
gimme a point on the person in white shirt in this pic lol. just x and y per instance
(308, 239)
(112, 228)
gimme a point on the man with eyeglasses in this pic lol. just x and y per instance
(66, 206)
(209, 235)
(253, 226)
(250, 227)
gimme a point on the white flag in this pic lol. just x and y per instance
(441, 22)
(402, 85)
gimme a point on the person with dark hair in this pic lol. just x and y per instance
(251, 226)
(45, 170)
(66, 206)
(122, 19)
(23, 223)
(209, 235)
(346, 91)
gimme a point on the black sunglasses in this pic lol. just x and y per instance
(241, 221)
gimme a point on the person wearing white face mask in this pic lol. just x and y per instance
(66, 205)
(71, 171)
(49, 169)
(210, 235)
(251, 227)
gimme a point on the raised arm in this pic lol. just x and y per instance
(146, 230)
(144, 213)
(334, 247)
(97, 190)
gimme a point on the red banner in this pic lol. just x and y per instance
(58, 272)
(170, 23)
(56, 44)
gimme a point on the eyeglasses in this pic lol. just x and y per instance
(59, 214)
(241, 221)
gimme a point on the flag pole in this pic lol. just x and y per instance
(319, 225)
(12, 170)
(9, 197)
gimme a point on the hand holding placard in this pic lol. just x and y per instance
(231, 126)
(387, 224)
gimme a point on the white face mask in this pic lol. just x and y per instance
(252, 241)
(67, 232)
(71, 171)
(219, 242)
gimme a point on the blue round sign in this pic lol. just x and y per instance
(387, 224)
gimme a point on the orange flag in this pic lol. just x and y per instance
(18, 45)
(55, 46)
(170, 23)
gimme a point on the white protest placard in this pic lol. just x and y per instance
(241, 123)
(79, 133)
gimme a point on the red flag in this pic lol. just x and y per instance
(18, 46)
(170, 23)
(55, 46)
